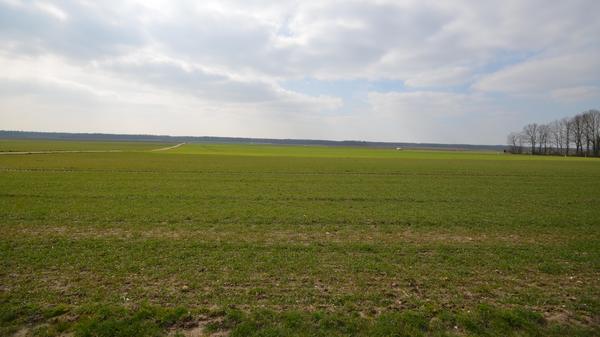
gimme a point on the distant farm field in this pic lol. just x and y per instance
(20, 145)
(260, 240)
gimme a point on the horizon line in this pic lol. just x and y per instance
(247, 138)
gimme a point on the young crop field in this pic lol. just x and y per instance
(25, 145)
(261, 240)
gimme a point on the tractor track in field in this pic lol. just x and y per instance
(168, 148)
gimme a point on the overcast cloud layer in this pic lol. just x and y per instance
(424, 71)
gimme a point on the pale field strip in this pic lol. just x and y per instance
(168, 148)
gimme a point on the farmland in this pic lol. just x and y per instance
(243, 240)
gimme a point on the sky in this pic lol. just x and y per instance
(408, 71)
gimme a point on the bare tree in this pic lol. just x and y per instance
(578, 132)
(557, 133)
(531, 134)
(542, 138)
(567, 129)
(515, 141)
(588, 131)
(558, 137)
(594, 130)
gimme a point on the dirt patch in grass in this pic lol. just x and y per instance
(297, 235)
(202, 326)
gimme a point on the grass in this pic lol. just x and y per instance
(252, 240)
(311, 151)
(25, 145)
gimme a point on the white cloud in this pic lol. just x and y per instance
(442, 117)
(575, 94)
(51, 10)
(423, 103)
(224, 62)
(441, 77)
(542, 75)
(164, 96)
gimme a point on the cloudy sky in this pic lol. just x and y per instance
(422, 71)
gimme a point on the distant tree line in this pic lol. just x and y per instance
(571, 136)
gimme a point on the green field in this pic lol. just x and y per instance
(25, 145)
(258, 240)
